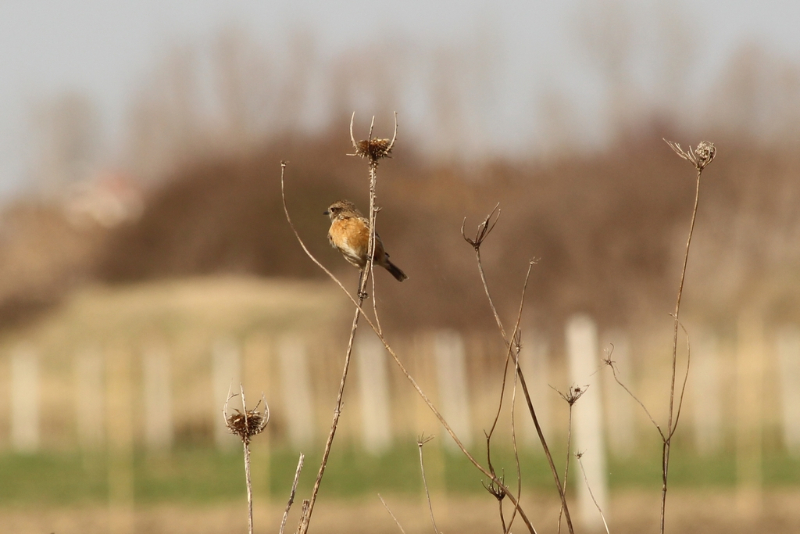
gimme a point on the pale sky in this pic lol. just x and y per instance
(103, 48)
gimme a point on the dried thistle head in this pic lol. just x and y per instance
(700, 156)
(374, 149)
(248, 423)
(371, 148)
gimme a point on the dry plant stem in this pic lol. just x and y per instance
(420, 443)
(667, 444)
(249, 487)
(391, 514)
(566, 464)
(603, 517)
(510, 348)
(363, 281)
(514, 433)
(246, 445)
(515, 349)
(610, 363)
(292, 494)
(306, 519)
(483, 231)
(402, 367)
(685, 380)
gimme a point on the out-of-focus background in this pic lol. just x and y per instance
(146, 263)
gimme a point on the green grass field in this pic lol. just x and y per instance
(198, 475)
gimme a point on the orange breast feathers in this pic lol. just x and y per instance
(351, 236)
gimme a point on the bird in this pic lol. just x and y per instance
(349, 234)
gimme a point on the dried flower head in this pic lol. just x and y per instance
(484, 228)
(248, 423)
(573, 394)
(496, 489)
(700, 157)
(374, 149)
(371, 148)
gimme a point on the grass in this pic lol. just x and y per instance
(203, 475)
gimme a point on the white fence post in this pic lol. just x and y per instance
(226, 376)
(296, 388)
(788, 347)
(157, 397)
(24, 399)
(587, 418)
(373, 382)
(90, 398)
(451, 374)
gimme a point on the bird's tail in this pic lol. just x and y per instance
(395, 271)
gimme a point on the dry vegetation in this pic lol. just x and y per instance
(604, 226)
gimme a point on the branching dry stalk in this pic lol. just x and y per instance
(484, 229)
(514, 347)
(400, 364)
(700, 157)
(246, 424)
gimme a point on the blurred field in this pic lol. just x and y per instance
(691, 511)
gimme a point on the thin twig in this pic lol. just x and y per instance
(308, 510)
(566, 464)
(685, 379)
(420, 442)
(306, 519)
(391, 514)
(484, 229)
(246, 444)
(579, 456)
(612, 364)
(514, 442)
(292, 494)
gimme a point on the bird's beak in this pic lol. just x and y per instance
(326, 212)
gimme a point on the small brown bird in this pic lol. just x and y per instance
(349, 233)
